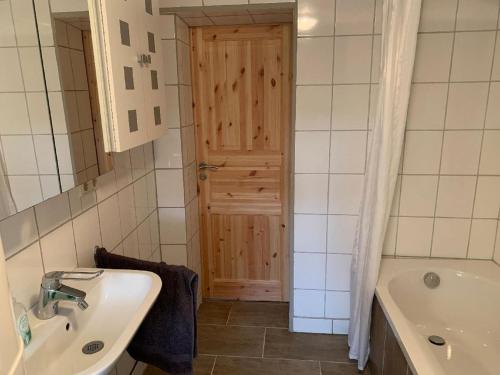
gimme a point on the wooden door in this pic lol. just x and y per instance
(242, 115)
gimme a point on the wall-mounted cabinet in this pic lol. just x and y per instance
(128, 59)
(81, 79)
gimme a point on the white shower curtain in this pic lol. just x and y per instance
(399, 39)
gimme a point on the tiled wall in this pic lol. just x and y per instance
(120, 213)
(496, 254)
(25, 132)
(199, 3)
(62, 122)
(337, 73)
(76, 99)
(60, 234)
(175, 154)
(448, 197)
(333, 98)
(235, 15)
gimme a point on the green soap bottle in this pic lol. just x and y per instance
(22, 322)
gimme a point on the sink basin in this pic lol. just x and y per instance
(118, 302)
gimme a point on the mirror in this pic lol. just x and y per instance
(75, 65)
(50, 131)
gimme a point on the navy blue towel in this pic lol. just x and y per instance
(167, 336)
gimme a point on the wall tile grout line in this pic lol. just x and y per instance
(329, 167)
(442, 138)
(481, 147)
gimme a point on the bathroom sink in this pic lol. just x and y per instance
(118, 302)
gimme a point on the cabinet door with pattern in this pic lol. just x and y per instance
(153, 80)
(124, 33)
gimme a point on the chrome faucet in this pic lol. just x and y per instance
(52, 291)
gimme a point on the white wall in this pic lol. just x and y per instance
(25, 132)
(338, 51)
(448, 197)
(448, 194)
(60, 233)
(175, 162)
(321, 294)
(337, 79)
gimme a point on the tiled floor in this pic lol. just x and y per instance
(249, 338)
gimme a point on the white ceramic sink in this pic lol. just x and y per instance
(118, 302)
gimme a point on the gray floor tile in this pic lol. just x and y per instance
(328, 368)
(214, 312)
(262, 366)
(202, 365)
(264, 314)
(230, 340)
(283, 344)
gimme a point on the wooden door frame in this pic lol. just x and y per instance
(286, 139)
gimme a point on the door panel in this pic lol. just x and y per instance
(241, 94)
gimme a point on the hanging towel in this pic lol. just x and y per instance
(167, 336)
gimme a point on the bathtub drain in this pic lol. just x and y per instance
(432, 280)
(437, 340)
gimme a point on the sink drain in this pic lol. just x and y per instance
(437, 340)
(92, 347)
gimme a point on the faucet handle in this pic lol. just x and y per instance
(52, 279)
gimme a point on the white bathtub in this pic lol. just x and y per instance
(464, 310)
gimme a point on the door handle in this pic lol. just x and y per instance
(204, 165)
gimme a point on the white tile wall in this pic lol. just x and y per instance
(433, 57)
(341, 232)
(344, 197)
(450, 192)
(354, 17)
(337, 60)
(313, 107)
(467, 105)
(427, 107)
(312, 325)
(411, 235)
(319, 50)
(477, 15)
(309, 303)
(482, 238)
(310, 233)
(307, 162)
(337, 305)
(438, 15)
(24, 272)
(418, 195)
(311, 193)
(414, 236)
(350, 107)
(352, 62)
(63, 231)
(175, 164)
(473, 56)
(309, 271)
(77, 120)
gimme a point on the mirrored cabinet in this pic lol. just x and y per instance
(80, 80)
(129, 60)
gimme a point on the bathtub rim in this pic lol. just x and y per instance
(416, 355)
